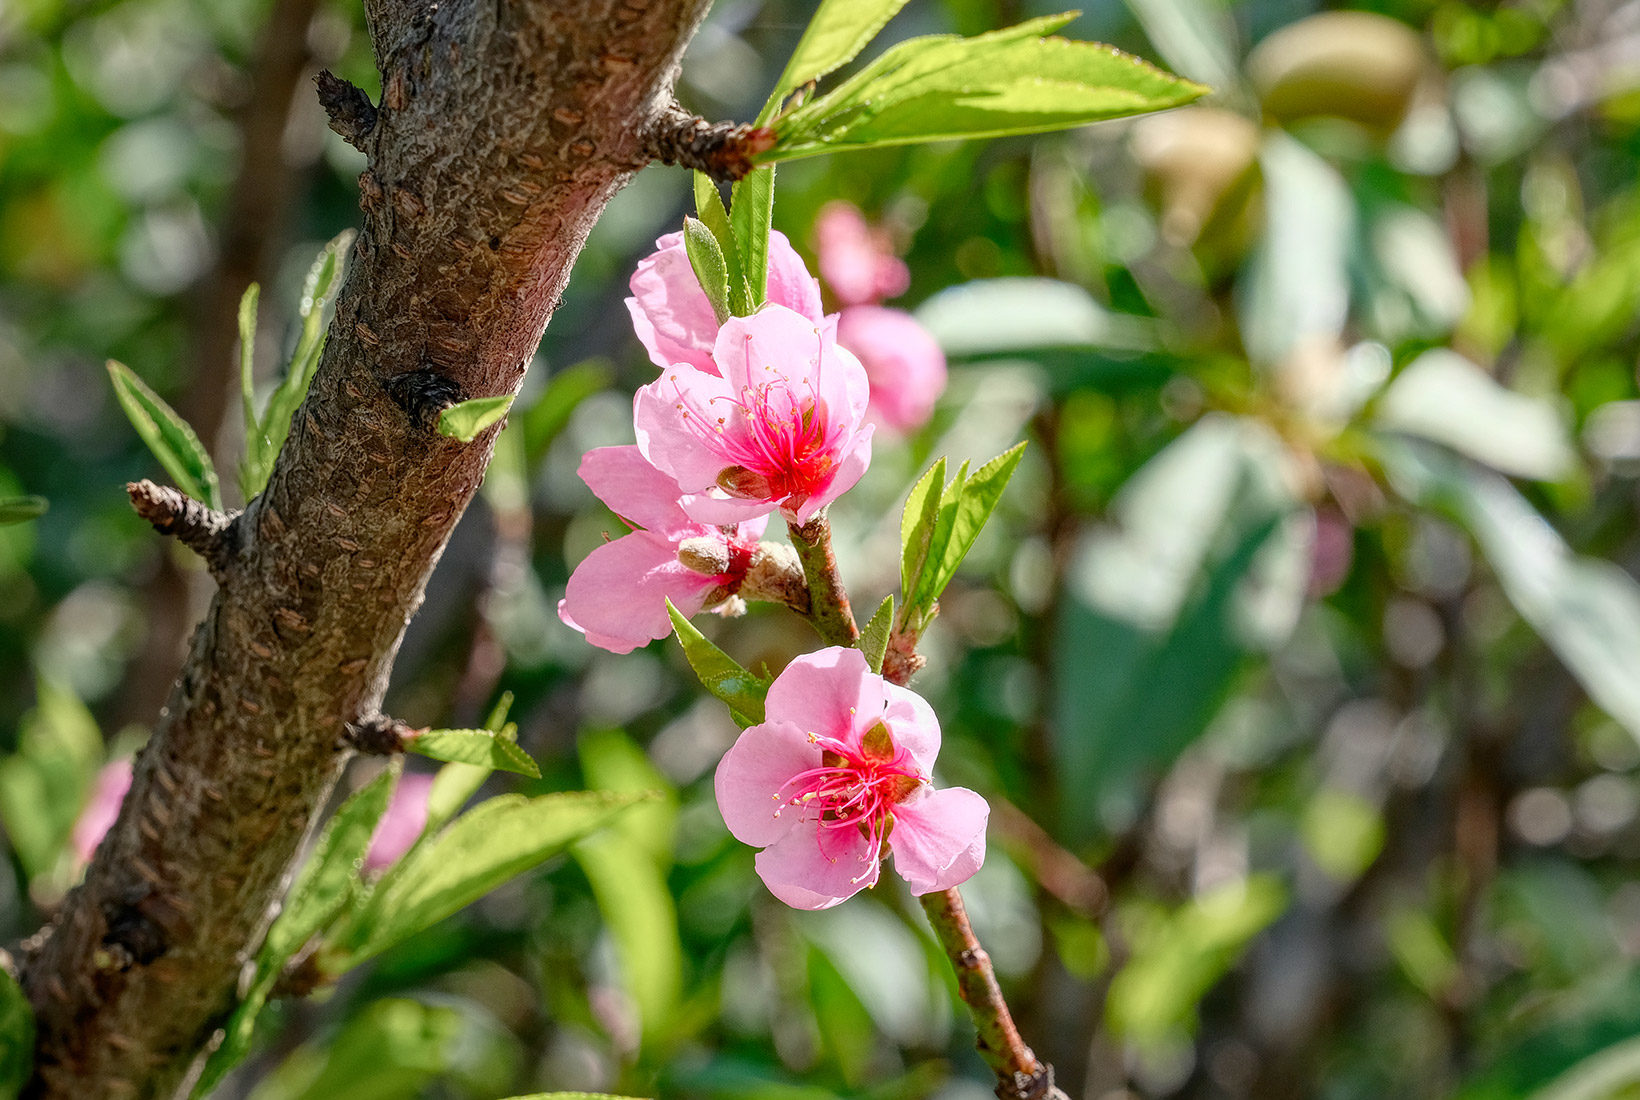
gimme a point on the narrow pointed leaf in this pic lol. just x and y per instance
(751, 215)
(488, 845)
(16, 1037)
(873, 640)
(247, 357)
(835, 36)
(466, 419)
(719, 673)
(710, 210)
(21, 509)
(456, 783)
(167, 435)
(975, 502)
(482, 747)
(711, 270)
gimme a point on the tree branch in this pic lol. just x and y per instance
(205, 531)
(829, 610)
(723, 150)
(502, 132)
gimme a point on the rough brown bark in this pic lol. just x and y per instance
(504, 128)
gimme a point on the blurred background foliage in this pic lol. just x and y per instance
(1301, 663)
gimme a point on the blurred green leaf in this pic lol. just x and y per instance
(637, 907)
(22, 509)
(845, 1026)
(551, 412)
(16, 1037)
(1613, 1072)
(390, 1051)
(1444, 397)
(711, 270)
(1210, 565)
(45, 783)
(247, 357)
(1343, 832)
(873, 641)
(751, 216)
(167, 435)
(719, 673)
(465, 419)
(839, 30)
(262, 446)
(1586, 609)
(1018, 316)
(1198, 38)
(1425, 958)
(483, 747)
(484, 847)
(1013, 81)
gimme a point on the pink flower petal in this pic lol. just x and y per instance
(855, 260)
(790, 283)
(904, 363)
(799, 873)
(670, 437)
(633, 489)
(831, 692)
(750, 777)
(617, 595)
(670, 312)
(938, 838)
(843, 477)
(401, 825)
(102, 809)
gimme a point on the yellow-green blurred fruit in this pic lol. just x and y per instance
(1201, 169)
(1346, 64)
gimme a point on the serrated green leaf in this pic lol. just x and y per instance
(920, 600)
(1012, 81)
(328, 881)
(16, 1037)
(247, 357)
(873, 640)
(483, 747)
(22, 509)
(262, 446)
(711, 270)
(917, 531)
(838, 32)
(456, 783)
(712, 214)
(167, 435)
(975, 501)
(719, 673)
(751, 216)
(488, 845)
(465, 419)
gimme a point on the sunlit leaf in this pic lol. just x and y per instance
(456, 783)
(247, 357)
(167, 435)
(719, 673)
(465, 419)
(711, 270)
(22, 509)
(482, 747)
(751, 216)
(839, 30)
(709, 209)
(873, 641)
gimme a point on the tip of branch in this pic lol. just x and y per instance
(201, 529)
(379, 735)
(726, 151)
(352, 115)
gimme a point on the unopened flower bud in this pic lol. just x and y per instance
(704, 555)
(746, 484)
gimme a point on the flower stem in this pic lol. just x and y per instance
(1020, 1075)
(829, 609)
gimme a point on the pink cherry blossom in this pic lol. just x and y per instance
(102, 809)
(855, 259)
(401, 825)
(836, 775)
(782, 428)
(617, 596)
(673, 316)
(904, 363)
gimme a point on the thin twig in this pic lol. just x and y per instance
(200, 528)
(723, 150)
(829, 609)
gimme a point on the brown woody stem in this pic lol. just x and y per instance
(202, 529)
(723, 150)
(829, 610)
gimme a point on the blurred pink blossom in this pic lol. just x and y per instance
(402, 824)
(101, 810)
(782, 428)
(837, 773)
(617, 596)
(856, 260)
(903, 361)
(673, 316)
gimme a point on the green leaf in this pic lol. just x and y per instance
(637, 907)
(1608, 1073)
(262, 446)
(328, 881)
(971, 507)
(456, 783)
(465, 419)
(392, 1049)
(917, 531)
(22, 509)
(46, 781)
(572, 1096)
(873, 641)
(719, 673)
(484, 747)
(551, 412)
(1012, 81)
(247, 357)
(751, 216)
(16, 1037)
(1586, 609)
(838, 32)
(167, 435)
(711, 271)
(710, 210)
(484, 847)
